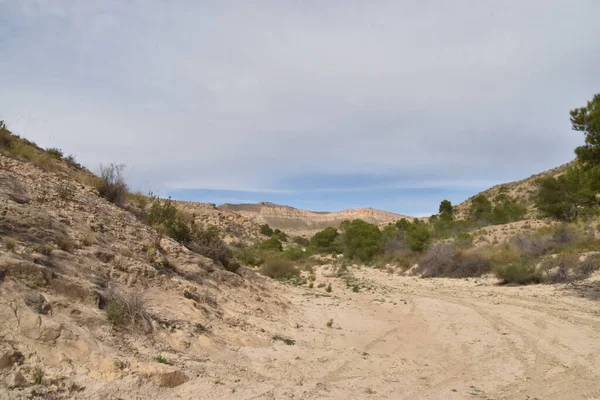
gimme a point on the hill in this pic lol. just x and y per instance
(290, 219)
(523, 191)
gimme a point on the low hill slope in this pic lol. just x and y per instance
(91, 298)
(523, 191)
(233, 227)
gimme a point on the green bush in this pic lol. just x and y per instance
(362, 240)
(418, 236)
(181, 227)
(250, 257)
(299, 240)
(325, 241)
(570, 195)
(266, 230)
(520, 273)
(272, 244)
(293, 253)
(507, 210)
(56, 153)
(480, 208)
(164, 214)
(280, 235)
(232, 266)
(279, 269)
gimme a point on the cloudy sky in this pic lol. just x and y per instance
(324, 105)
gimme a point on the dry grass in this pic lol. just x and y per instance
(127, 309)
(89, 239)
(66, 244)
(10, 244)
(279, 269)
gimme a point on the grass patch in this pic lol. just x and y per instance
(162, 360)
(38, 375)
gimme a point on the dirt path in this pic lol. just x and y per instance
(409, 338)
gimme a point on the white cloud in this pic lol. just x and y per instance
(233, 95)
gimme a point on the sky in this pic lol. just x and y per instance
(321, 105)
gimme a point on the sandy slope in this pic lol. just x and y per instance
(409, 338)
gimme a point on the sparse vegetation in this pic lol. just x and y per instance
(65, 191)
(328, 289)
(520, 273)
(161, 360)
(42, 249)
(279, 269)
(65, 244)
(272, 244)
(111, 183)
(127, 309)
(38, 375)
(10, 243)
(89, 239)
(289, 342)
(266, 230)
(329, 323)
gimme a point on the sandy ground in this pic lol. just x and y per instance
(410, 338)
(399, 338)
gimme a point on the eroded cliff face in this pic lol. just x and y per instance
(292, 219)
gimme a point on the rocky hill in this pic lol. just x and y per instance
(234, 228)
(291, 219)
(91, 297)
(523, 191)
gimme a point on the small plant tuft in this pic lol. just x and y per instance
(330, 323)
(38, 375)
(162, 360)
(289, 342)
(127, 309)
(328, 289)
(10, 244)
(66, 244)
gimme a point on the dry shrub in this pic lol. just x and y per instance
(65, 191)
(562, 235)
(90, 239)
(42, 249)
(534, 246)
(66, 244)
(279, 269)
(10, 243)
(111, 184)
(590, 264)
(520, 273)
(127, 310)
(443, 259)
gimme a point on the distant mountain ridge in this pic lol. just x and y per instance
(293, 219)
